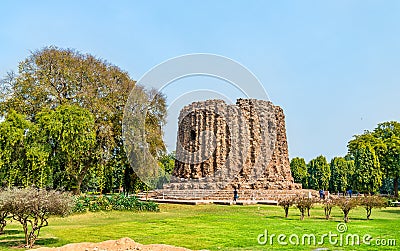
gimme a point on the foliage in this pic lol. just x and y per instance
(319, 173)
(327, 205)
(389, 133)
(54, 77)
(309, 203)
(132, 182)
(301, 203)
(286, 203)
(341, 174)
(32, 207)
(167, 162)
(115, 202)
(4, 212)
(298, 168)
(346, 205)
(22, 155)
(387, 186)
(304, 204)
(70, 132)
(155, 118)
(370, 202)
(367, 174)
(385, 140)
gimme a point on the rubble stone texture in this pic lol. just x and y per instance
(222, 146)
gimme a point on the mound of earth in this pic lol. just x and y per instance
(124, 244)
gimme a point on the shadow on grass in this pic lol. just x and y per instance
(337, 219)
(46, 241)
(11, 232)
(297, 217)
(11, 237)
(393, 211)
(281, 217)
(19, 242)
(12, 243)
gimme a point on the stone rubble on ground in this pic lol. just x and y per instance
(123, 244)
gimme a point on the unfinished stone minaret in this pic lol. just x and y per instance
(221, 146)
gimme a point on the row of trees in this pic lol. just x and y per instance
(62, 123)
(335, 176)
(373, 161)
(304, 205)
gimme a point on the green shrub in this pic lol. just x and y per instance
(32, 207)
(79, 206)
(286, 203)
(370, 202)
(346, 205)
(117, 202)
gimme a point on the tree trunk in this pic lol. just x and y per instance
(286, 212)
(346, 217)
(3, 222)
(77, 189)
(25, 227)
(396, 186)
(2, 226)
(328, 213)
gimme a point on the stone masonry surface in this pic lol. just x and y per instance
(221, 147)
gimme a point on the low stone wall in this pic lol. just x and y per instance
(246, 194)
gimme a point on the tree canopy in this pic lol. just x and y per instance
(78, 102)
(298, 168)
(385, 144)
(319, 173)
(70, 134)
(341, 174)
(367, 173)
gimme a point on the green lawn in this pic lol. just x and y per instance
(211, 227)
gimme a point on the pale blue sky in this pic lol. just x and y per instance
(333, 66)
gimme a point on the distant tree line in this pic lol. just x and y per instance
(372, 164)
(62, 123)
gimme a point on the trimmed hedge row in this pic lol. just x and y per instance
(115, 202)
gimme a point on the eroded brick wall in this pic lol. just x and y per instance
(247, 148)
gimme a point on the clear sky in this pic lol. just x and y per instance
(333, 66)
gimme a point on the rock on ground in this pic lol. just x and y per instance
(124, 244)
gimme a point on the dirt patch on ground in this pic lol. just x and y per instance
(124, 244)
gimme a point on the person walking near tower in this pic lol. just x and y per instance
(235, 195)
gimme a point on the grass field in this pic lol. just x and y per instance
(212, 227)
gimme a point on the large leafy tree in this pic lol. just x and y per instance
(298, 167)
(367, 173)
(341, 174)
(155, 119)
(361, 140)
(70, 132)
(52, 77)
(167, 162)
(23, 154)
(389, 133)
(385, 140)
(319, 173)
